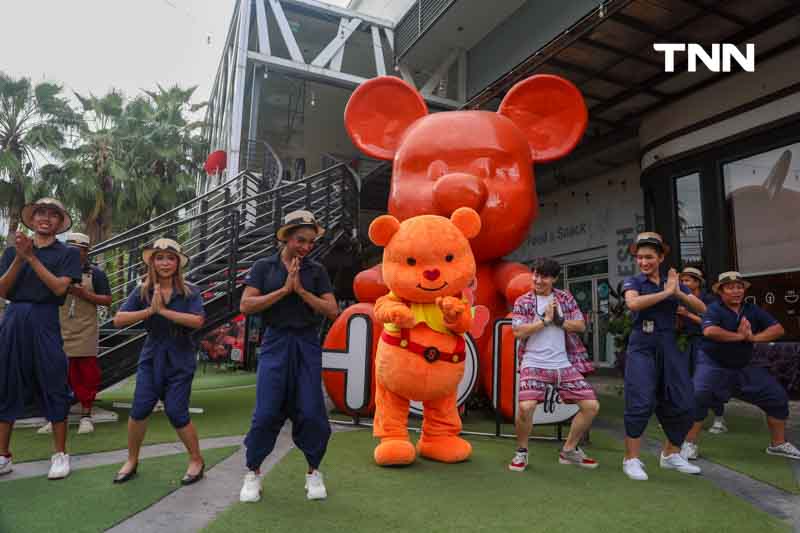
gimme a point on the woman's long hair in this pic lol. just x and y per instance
(148, 284)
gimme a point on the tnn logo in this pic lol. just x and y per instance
(719, 60)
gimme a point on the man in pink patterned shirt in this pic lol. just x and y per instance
(547, 321)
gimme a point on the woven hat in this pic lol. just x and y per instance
(649, 238)
(52, 203)
(78, 239)
(296, 219)
(694, 272)
(729, 277)
(165, 245)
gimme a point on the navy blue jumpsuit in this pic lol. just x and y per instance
(656, 372)
(32, 359)
(168, 359)
(724, 369)
(289, 380)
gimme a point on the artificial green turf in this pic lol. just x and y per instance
(210, 378)
(87, 501)
(483, 495)
(226, 412)
(741, 448)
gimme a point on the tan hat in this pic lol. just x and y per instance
(730, 277)
(648, 238)
(694, 272)
(297, 219)
(165, 245)
(30, 209)
(78, 239)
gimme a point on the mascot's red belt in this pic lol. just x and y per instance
(430, 353)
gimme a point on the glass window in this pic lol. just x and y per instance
(690, 219)
(763, 196)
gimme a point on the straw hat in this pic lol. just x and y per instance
(649, 238)
(165, 245)
(296, 219)
(695, 273)
(52, 203)
(78, 239)
(729, 277)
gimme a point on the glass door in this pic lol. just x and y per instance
(592, 296)
(583, 292)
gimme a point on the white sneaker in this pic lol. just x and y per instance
(315, 487)
(787, 449)
(251, 488)
(85, 426)
(689, 450)
(634, 469)
(5, 465)
(45, 429)
(676, 462)
(59, 466)
(718, 426)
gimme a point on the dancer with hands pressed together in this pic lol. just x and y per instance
(170, 310)
(656, 373)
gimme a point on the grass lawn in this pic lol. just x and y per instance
(741, 448)
(87, 501)
(211, 378)
(482, 495)
(227, 412)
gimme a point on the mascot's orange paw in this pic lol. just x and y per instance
(444, 449)
(395, 452)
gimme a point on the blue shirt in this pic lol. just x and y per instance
(269, 275)
(734, 354)
(163, 333)
(100, 283)
(61, 260)
(663, 313)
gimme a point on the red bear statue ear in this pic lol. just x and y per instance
(467, 220)
(382, 229)
(378, 114)
(551, 113)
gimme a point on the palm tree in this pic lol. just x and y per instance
(34, 120)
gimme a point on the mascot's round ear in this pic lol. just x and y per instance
(551, 113)
(382, 229)
(378, 114)
(467, 220)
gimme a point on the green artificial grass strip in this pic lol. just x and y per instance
(226, 412)
(483, 495)
(210, 378)
(87, 501)
(741, 449)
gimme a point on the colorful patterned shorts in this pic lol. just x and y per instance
(571, 385)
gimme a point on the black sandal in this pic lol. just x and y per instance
(127, 476)
(190, 479)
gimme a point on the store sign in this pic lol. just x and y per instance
(718, 60)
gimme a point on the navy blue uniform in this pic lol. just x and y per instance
(724, 369)
(656, 372)
(167, 362)
(32, 359)
(289, 381)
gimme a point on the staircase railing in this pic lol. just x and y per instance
(223, 232)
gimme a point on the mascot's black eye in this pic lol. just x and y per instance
(411, 261)
(449, 258)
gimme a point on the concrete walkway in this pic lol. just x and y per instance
(78, 462)
(778, 503)
(192, 508)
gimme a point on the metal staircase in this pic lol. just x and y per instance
(223, 231)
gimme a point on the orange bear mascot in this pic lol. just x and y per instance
(477, 159)
(427, 265)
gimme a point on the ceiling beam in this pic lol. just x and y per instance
(625, 84)
(621, 51)
(714, 10)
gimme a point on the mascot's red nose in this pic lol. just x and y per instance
(432, 275)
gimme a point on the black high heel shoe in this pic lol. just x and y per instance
(190, 479)
(127, 476)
